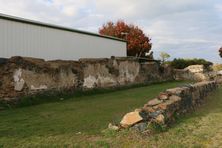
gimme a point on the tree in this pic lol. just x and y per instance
(164, 56)
(220, 52)
(138, 44)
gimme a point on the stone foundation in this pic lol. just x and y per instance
(169, 104)
(21, 76)
(192, 73)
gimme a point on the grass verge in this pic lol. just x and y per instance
(72, 121)
(55, 96)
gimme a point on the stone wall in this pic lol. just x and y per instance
(192, 73)
(26, 76)
(169, 104)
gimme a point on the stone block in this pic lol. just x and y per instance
(160, 119)
(130, 119)
(154, 102)
(163, 96)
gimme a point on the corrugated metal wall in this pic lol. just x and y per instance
(22, 39)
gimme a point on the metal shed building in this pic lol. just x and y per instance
(22, 37)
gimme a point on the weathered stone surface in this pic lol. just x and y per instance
(148, 109)
(175, 98)
(141, 127)
(19, 85)
(113, 127)
(163, 96)
(160, 119)
(179, 101)
(130, 119)
(174, 91)
(162, 106)
(18, 80)
(219, 72)
(195, 68)
(154, 102)
(219, 81)
(20, 76)
(193, 73)
(41, 87)
(155, 114)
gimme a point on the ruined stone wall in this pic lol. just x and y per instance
(169, 104)
(110, 72)
(192, 73)
(122, 71)
(26, 76)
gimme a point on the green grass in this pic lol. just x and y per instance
(55, 96)
(202, 128)
(71, 121)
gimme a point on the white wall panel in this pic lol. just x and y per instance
(29, 40)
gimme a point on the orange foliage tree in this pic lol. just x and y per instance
(138, 44)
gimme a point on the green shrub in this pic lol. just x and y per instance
(183, 63)
(217, 67)
(158, 128)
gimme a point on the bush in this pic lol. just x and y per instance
(183, 63)
(217, 67)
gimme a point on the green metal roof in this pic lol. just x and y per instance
(27, 21)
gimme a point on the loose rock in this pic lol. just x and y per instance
(162, 106)
(130, 119)
(113, 127)
(160, 119)
(175, 98)
(155, 114)
(141, 127)
(163, 96)
(148, 109)
(154, 102)
(176, 101)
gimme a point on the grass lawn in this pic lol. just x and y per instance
(59, 123)
(202, 128)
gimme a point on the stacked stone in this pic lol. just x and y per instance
(173, 102)
(22, 76)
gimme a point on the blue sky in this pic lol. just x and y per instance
(182, 28)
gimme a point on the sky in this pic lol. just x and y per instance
(182, 28)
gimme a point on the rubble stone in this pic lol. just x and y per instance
(180, 100)
(175, 98)
(155, 114)
(160, 119)
(113, 127)
(154, 102)
(141, 127)
(148, 109)
(22, 76)
(130, 119)
(163, 96)
(194, 72)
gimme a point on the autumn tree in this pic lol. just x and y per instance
(138, 44)
(220, 52)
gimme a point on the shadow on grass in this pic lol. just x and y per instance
(87, 114)
(55, 96)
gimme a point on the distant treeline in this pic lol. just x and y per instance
(183, 63)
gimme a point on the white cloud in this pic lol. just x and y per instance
(218, 7)
(181, 27)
